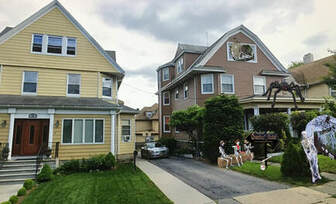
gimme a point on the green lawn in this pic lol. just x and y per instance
(325, 163)
(123, 185)
(272, 173)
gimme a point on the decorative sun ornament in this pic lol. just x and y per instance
(241, 52)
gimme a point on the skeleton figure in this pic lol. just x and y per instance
(311, 153)
(223, 154)
(247, 148)
(284, 86)
(236, 149)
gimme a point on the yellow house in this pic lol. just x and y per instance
(59, 88)
(147, 124)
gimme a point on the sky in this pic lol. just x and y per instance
(145, 33)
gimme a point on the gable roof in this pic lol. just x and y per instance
(56, 4)
(7, 28)
(142, 114)
(312, 73)
(206, 56)
(181, 48)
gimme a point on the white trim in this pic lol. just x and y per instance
(256, 110)
(177, 92)
(179, 65)
(163, 98)
(116, 83)
(264, 79)
(107, 97)
(113, 115)
(163, 78)
(45, 10)
(331, 91)
(81, 112)
(51, 127)
(83, 136)
(32, 43)
(80, 81)
(212, 78)
(184, 90)
(195, 91)
(22, 84)
(164, 124)
(252, 36)
(233, 86)
(230, 59)
(11, 132)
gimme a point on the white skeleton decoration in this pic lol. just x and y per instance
(224, 156)
(320, 124)
(236, 149)
(247, 148)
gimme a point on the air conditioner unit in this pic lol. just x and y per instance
(127, 138)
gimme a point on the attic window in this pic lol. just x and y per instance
(37, 43)
(54, 45)
(179, 65)
(71, 46)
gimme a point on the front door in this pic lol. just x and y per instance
(29, 135)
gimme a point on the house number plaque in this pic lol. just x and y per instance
(32, 115)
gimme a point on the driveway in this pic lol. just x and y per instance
(216, 183)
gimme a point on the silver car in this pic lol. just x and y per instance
(154, 150)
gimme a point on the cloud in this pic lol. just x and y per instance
(317, 39)
(147, 72)
(188, 21)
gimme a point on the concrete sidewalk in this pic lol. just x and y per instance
(7, 191)
(176, 190)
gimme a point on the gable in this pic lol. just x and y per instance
(15, 45)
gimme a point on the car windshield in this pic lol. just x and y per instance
(154, 144)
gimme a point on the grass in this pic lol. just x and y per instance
(273, 173)
(123, 185)
(325, 163)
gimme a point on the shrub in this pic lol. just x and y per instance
(28, 184)
(223, 120)
(294, 162)
(299, 120)
(69, 167)
(13, 199)
(22, 191)
(109, 161)
(94, 163)
(276, 122)
(46, 174)
(6, 202)
(169, 142)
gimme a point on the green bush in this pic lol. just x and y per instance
(299, 120)
(46, 174)
(13, 199)
(109, 161)
(70, 167)
(294, 162)
(94, 163)
(6, 202)
(223, 120)
(276, 122)
(22, 191)
(28, 184)
(169, 142)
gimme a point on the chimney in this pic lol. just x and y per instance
(308, 58)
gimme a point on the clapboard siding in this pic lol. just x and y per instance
(126, 147)
(4, 130)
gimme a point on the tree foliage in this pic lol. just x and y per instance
(299, 120)
(276, 122)
(294, 64)
(329, 107)
(330, 80)
(223, 120)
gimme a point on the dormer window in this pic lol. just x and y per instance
(165, 74)
(179, 65)
(37, 43)
(54, 45)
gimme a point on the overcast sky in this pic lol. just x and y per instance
(145, 33)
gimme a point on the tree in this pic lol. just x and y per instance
(294, 64)
(189, 121)
(330, 80)
(299, 120)
(223, 120)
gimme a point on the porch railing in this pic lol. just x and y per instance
(46, 153)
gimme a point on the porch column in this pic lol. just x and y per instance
(51, 113)
(289, 112)
(113, 124)
(256, 110)
(12, 112)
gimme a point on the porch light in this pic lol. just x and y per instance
(57, 124)
(4, 123)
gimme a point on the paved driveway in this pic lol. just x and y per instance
(214, 182)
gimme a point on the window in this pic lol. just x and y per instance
(227, 83)
(259, 85)
(37, 43)
(177, 94)
(126, 130)
(186, 91)
(166, 98)
(332, 92)
(73, 87)
(149, 114)
(54, 45)
(242, 52)
(107, 87)
(207, 84)
(166, 126)
(29, 82)
(83, 131)
(165, 73)
(71, 46)
(179, 65)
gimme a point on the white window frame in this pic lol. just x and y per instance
(83, 136)
(163, 98)
(184, 91)
(179, 65)
(130, 136)
(80, 85)
(254, 79)
(177, 93)
(164, 124)
(22, 84)
(163, 74)
(108, 97)
(45, 45)
(332, 91)
(229, 58)
(221, 82)
(212, 77)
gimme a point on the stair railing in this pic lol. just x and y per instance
(45, 152)
(4, 151)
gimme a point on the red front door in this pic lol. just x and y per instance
(29, 135)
